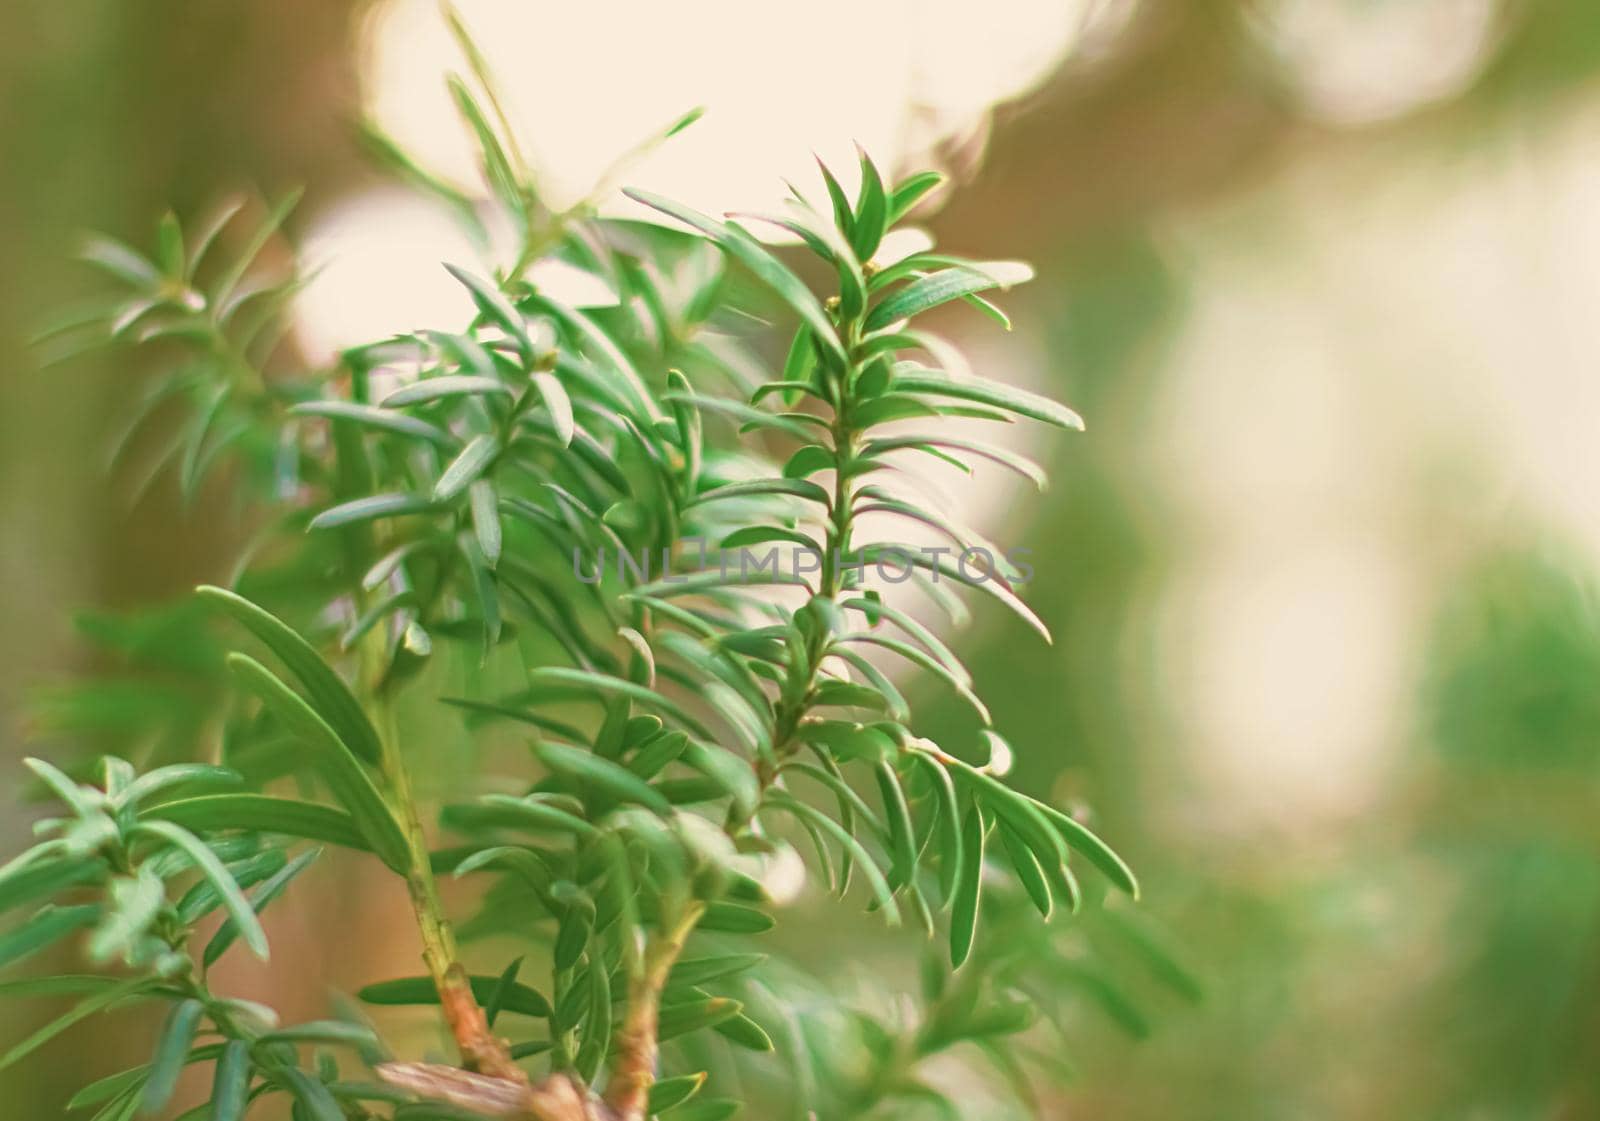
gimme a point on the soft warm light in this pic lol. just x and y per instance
(777, 84)
(376, 271)
(586, 82)
(1357, 61)
(1404, 378)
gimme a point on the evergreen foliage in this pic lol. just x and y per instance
(434, 515)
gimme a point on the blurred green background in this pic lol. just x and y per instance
(1321, 274)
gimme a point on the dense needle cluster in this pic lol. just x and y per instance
(677, 731)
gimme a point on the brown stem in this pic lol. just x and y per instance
(557, 1098)
(636, 1042)
(481, 1050)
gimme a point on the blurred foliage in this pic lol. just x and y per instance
(1516, 658)
(1513, 716)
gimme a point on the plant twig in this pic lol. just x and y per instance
(557, 1098)
(636, 1043)
(481, 1050)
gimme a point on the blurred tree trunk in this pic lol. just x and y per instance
(115, 111)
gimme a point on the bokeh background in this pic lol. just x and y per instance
(1324, 278)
